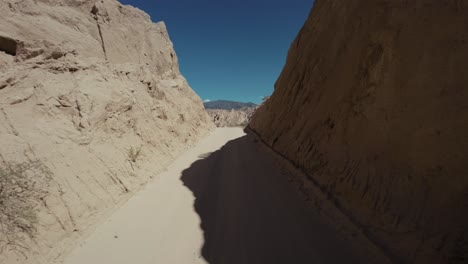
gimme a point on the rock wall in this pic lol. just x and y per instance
(231, 118)
(372, 105)
(92, 106)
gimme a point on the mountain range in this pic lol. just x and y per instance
(228, 105)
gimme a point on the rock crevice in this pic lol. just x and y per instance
(8, 45)
(95, 12)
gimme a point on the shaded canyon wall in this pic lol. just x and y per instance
(373, 105)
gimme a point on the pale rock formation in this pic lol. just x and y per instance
(231, 118)
(92, 106)
(372, 104)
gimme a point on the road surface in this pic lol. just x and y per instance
(224, 201)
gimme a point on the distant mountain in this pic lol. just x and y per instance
(227, 105)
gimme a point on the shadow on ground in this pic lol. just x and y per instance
(251, 214)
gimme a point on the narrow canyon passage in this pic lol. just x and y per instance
(225, 201)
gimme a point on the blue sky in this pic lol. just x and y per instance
(231, 50)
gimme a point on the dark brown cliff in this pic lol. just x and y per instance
(373, 105)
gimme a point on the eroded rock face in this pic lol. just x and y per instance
(92, 105)
(372, 104)
(231, 118)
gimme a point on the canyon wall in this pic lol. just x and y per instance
(373, 105)
(231, 118)
(92, 106)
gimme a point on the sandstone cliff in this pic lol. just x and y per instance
(372, 105)
(92, 105)
(231, 118)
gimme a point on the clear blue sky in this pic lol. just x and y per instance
(232, 50)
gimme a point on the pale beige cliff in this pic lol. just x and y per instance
(92, 106)
(372, 104)
(231, 118)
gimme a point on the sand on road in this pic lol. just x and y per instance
(224, 201)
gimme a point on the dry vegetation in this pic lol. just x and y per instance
(134, 154)
(22, 186)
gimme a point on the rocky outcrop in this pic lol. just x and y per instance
(92, 106)
(372, 105)
(231, 118)
(230, 113)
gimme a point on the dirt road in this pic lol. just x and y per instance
(224, 201)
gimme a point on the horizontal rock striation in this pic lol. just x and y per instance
(372, 105)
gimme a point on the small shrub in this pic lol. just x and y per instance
(22, 186)
(134, 153)
(244, 124)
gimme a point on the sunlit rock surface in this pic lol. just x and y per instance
(92, 105)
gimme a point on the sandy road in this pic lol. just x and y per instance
(224, 201)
